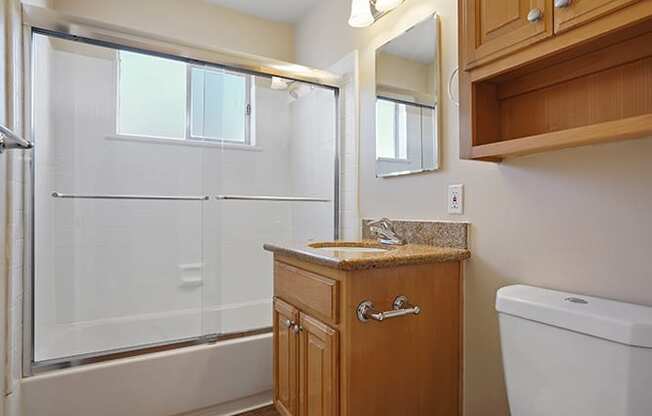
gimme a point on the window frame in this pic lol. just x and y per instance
(188, 136)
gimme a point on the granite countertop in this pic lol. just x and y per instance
(342, 260)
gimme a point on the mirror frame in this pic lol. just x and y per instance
(437, 97)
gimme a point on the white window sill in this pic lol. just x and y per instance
(392, 160)
(185, 142)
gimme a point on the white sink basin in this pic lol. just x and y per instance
(349, 247)
(353, 249)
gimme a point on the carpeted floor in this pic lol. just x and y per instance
(265, 411)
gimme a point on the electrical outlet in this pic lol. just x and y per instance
(456, 199)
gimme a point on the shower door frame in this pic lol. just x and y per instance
(38, 20)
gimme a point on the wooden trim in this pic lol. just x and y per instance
(461, 335)
(465, 113)
(611, 131)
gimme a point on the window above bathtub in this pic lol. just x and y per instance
(168, 99)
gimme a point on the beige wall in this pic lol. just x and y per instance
(193, 21)
(576, 220)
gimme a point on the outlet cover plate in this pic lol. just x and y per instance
(456, 199)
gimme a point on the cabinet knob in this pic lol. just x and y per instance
(535, 15)
(560, 4)
(287, 323)
(297, 328)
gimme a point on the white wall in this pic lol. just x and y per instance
(575, 220)
(195, 21)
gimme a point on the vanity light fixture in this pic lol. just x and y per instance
(365, 12)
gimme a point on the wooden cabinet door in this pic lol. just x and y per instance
(318, 369)
(572, 13)
(286, 343)
(495, 28)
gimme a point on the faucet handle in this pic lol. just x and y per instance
(383, 230)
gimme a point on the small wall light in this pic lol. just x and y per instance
(365, 12)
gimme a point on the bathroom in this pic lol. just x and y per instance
(135, 275)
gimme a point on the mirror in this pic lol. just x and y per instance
(407, 101)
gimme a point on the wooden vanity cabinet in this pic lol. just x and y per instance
(286, 361)
(328, 363)
(574, 73)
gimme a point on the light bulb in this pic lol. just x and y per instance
(279, 83)
(387, 5)
(361, 14)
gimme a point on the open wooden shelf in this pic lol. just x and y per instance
(603, 94)
(626, 129)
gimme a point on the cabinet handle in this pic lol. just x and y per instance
(288, 324)
(401, 307)
(297, 328)
(560, 4)
(535, 15)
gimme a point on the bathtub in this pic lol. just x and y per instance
(218, 379)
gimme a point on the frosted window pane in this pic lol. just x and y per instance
(402, 131)
(385, 129)
(152, 96)
(219, 105)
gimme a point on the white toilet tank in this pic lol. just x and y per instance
(571, 355)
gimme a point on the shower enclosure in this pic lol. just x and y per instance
(157, 177)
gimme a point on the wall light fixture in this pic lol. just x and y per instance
(365, 12)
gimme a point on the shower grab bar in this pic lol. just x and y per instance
(10, 140)
(269, 198)
(132, 197)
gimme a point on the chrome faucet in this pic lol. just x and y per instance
(383, 231)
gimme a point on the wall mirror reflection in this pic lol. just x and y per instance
(407, 107)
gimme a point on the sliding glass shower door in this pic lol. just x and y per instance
(156, 183)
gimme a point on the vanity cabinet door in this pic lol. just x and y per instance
(286, 343)
(495, 28)
(318, 369)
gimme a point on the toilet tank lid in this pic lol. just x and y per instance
(621, 322)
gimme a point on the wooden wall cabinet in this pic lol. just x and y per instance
(328, 363)
(580, 75)
(504, 26)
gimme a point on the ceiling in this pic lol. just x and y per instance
(417, 44)
(288, 11)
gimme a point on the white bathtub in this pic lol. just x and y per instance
(222, 379)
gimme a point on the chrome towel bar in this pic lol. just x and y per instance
(269, 198)
(133, 197)
(191, 198)
(10, 140)
(402, 307)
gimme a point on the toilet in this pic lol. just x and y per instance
(572, 355)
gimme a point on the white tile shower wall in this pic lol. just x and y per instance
(3, 208)
(14, 201)
(116, 273)
(312, 156)
(349, 213)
